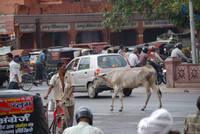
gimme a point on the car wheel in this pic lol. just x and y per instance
(91, 91)
(127, 91)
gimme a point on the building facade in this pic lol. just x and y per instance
(45, 23)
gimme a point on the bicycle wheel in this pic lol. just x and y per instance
(27, 82)
(54, 126)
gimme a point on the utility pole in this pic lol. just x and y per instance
(192, 32)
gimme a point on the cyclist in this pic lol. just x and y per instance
(84, 118)
(61, 83)
(40, 66)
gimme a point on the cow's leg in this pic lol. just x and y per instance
(148, 93)
(158, 93)
(113, 98)
(121, 100)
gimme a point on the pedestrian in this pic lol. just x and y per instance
(177, 52)
(62, 85)
(159, 122)
(40, 66)
(133, 59)
(143, 57)
(121, 51)
(192, 122)
(15, 75)
(84, 119)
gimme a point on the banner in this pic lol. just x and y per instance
(15, 115)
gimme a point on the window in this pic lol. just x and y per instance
(76, 0)
(84, 64)
(73, 65)
(111, 61)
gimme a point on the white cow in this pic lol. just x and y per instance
(129, 78)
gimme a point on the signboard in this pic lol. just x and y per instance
(55, 27)
(2, 28)
(88, 26)
(55, 55)
(130, 25)
(15, 115)
(157, 23)
(27, 27)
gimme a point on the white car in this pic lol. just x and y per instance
(84, 68)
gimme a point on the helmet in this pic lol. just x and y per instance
(84, 112)
(179, 45)
(145, 49)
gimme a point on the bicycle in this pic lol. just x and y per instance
(28, 80)
(58, 121)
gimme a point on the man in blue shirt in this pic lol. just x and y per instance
(40, 65)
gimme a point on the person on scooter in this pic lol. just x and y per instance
(177, 52)
(154, 59)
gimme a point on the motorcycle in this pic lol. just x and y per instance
(164, 80)
(161, 72)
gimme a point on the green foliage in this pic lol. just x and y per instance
(122, 12)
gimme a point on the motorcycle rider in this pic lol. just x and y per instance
(154, 59)
(84, 118)
(178, 53)
(143, 57)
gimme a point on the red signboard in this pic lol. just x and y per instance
(18, 105)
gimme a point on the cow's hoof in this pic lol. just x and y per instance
(111, 109)
(120, 110)
(142, 109)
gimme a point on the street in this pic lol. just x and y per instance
(178, 103)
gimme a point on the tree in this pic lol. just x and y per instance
(175, 10)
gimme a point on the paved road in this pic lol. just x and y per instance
(178, 102)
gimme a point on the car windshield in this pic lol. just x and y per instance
(111, 61)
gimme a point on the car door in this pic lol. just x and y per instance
(83, 73)
(80, 73)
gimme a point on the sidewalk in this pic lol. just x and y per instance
(164, 89)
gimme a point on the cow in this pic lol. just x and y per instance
(129, 78)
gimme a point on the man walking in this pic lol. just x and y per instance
(61, 83)
(15, 75)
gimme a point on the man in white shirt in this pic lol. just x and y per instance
(178, 53)
(15, 75)
(62, 85)
(84, 118)
(133, 59)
